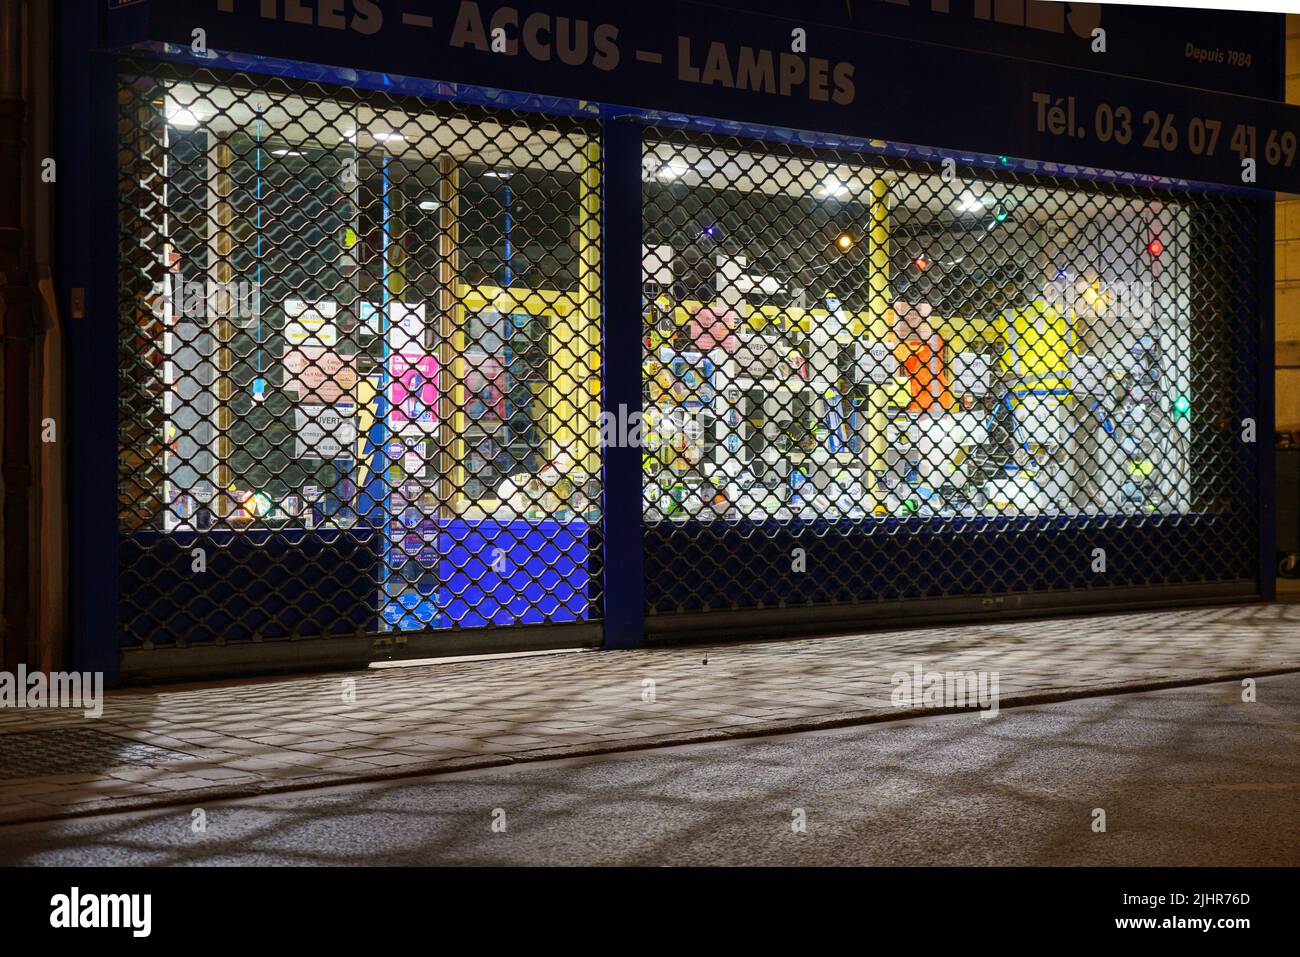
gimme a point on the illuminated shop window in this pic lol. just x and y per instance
(832, 337)
(364, 314)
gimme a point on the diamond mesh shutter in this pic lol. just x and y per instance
(358, 384)
(863, 382)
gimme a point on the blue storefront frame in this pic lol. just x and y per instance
(618, 551)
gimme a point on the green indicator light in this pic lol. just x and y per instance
(1182, 406)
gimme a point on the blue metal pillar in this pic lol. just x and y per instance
(621, 382)
(86, 236)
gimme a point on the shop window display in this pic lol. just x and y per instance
(414, 363)
(830, 337)
(363, 318)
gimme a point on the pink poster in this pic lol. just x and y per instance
(485, 388)
(319, 375)
(413, 394)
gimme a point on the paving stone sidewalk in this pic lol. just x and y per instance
(191, 744)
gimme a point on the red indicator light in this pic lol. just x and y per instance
(1155, 247)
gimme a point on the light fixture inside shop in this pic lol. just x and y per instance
(1155, 247)
(499, 174)
(390, 137)
(181, 116)
(834, 189)
(672, 170)
(922, 262)
(844, 241)
(970, 203)
(429, 205)
(286, 152)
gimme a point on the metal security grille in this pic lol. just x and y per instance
(359, 345)
(868, 378)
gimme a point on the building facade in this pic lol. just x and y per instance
(404, 328)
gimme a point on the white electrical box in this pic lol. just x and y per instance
(970, 373)
(875, 363)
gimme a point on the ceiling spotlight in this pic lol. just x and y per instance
(970, 203)
(844, 241)
(390, 137)
(181, 116)
(429, 205)
(285, 152)
(834, 189)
